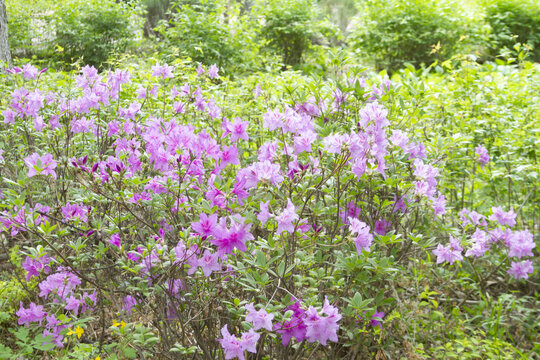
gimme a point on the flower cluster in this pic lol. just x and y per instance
(518, 244)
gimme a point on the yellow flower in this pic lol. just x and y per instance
(122, 324)
(98, 358)
(78, 330)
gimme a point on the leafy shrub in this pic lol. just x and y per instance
(29, 27)
(289, 28)
(510, 18)
(397, 32)
(156, 10)
(210, 32)
(91, 30)
(169, 212)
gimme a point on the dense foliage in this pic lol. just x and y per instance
(514, 21)
(211, 179)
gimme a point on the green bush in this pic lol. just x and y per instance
(199, 32)
(399, 32)
(510, 18)
(27, 34)
(211, 32)
(91, 30)
(289, 28)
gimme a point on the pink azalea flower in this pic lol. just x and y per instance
(207, 225)
(165, 71)
(209, 263)
(114, 240)
(450, 253)
(364, 238)
(237, 129)
(520, 244)
(503, 218)
(34, 313)
(259, 318)
(44, 165)
(286, 218)
(322, 328)
(233, 347)
(213, 71)
(483, 155)
(521, 270)
(264, 215)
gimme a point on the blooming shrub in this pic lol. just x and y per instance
(144, 197)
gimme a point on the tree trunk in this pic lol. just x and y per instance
(5, 54)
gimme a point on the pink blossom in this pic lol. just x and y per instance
(259, 318)
(450, 253)
(207, 225)
(521, 270)
(114, 240)
(44, 165)
(264, 215)
(209, 263)
(165, 71)
(237, 129)
(520, 244)
(286, 218)
(213, 71)
(483, 155)
(503, 218)
(75, 212)
(34, 313)
(364, 238)
(322, 328)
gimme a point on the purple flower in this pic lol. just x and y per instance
(439, 205)
(303, 142)
(213, 71)
(483, 155)
(237, 129)
(207, 225)
(34, 313)
(165, 71)
(40, 165)
(376, 319)
(257, 91)
(209, 263)
(36, 266)
(521, 270)
(286, 218)
(229, 155)
(503, 218)
(520, 244)
(129, 303)
(233, 347)
(235, 237)
(480, 244)
(264, 215)
(72, 304)
(200, 70)
(322, 328)
(260, 319)
(381, 226)
(75, 212)
(114, 240)
(294, 327)
(450, 253)
(62, 283)
(364, 238)
(29, 71)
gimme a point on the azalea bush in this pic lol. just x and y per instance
(163, 212)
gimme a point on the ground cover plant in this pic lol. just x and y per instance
(239, 187)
